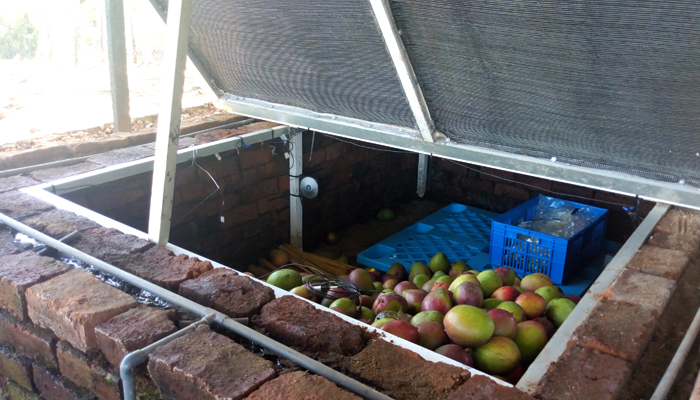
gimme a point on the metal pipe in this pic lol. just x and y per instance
(138, 357)
(66, 239)
(232, 324)
(678, 359)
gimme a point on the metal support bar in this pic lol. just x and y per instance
(295, 208)
(71, 237)
(116, 50)
(168, 131)
(112, 173)
(232, 324)
(405, 138)
(422, 174)
(557, 344)
(194, 57)
(678, 359)
(138, 357)
(404, 69)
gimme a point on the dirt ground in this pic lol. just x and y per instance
(38, 98)
(671, 328)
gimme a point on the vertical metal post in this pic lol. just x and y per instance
(295, 210)
(422, 174)
(168, 131)
(404, 69)
(116, 49)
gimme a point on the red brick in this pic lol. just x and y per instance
(337, 150)
(679, 221)
(539, 183)
(72, 304)
(676, 241)
(276, 168)
(16, 368)
(204, 365)
(264, 223)
(317, 158)
(617, 328)
(300, 385)
(59, 223)
(258, 191)
(133, 330)
(254, 157)
(8, 244)
(228, 292)
(114, 197)
(38, 156)
(16, 182)
(29, 340)
(648, 291)
(283, 183)
(90, 373)
(512, 191)
(186, 175)
(55, 387)
(194, 192)
(614, 198)
(295, 322)
(272, 204)
(582, 373)
(495, 175)
(427, 380)
(251, 176)
(165, 269)
(480, 387)
(16, 392)
(477, 185)
(21, 271)
(239, 215)
(14, 204)
(660, 262)
(565, 188)
(111, 246)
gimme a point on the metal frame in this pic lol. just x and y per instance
(556, 346)
(404, 69)
(112, 173)
(194, 57)
(116, 50)
(409, 139)
(422, 174)
(168, 131)
(296, 216)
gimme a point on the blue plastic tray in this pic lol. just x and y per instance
(459, 231)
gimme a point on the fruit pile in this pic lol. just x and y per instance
(491, 320)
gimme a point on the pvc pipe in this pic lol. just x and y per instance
(678, 359)
(232, 324)
(138, 357)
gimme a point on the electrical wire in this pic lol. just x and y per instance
(368, 147)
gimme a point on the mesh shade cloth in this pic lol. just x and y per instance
(319, 55)
(600, 83)
(609, 84)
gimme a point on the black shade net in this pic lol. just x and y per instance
(609, 84)
(319, 55)
(599, 83)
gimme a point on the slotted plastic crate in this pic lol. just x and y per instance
(459, 231)
(529, 252)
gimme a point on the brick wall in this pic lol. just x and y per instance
(500, 191)
(355, 183)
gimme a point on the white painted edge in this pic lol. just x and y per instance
(63, 204)
(557, 344)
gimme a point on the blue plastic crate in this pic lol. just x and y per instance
(459, 231)
(528, 252)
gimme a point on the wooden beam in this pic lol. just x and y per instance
(168, 131)
(116, 49)
(295, 171)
